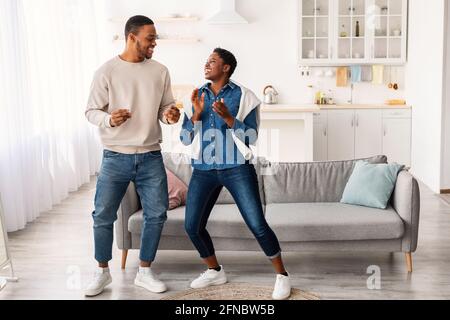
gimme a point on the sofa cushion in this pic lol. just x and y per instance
(225, 222)
(179, 164)
(177, 190)
(309, 181)
(332, 221)
(371, 185)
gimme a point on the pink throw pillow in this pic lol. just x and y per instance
(177, 190)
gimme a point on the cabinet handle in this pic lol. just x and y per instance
(353, 121)
(357, 120)
(325, 131)
(384, 130)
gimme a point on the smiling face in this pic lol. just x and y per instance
(144, 42)
(215, 68)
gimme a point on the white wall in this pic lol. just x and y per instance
(267, 54)
(266, 48)
(445, 184)
(424, 87)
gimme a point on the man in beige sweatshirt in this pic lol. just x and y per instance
(129, 95)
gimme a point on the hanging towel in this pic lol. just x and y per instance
(378, 74)
(341, 77)
(355, 73)
(366, 74)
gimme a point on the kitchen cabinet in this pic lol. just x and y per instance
(316, 30)
(320, 136)
(341, 134)
(397, 136)
(388, 37)
(361, 133)
(351, 44)
(368, 141)
(328, 35)
(354, 134)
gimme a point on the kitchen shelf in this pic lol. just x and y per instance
(181, 39)
(310, 16)
(177, 19)
(354, 16)
(388, 15)
(164, 40)
(159, 19)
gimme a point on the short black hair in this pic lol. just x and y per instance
(228, 58)
(134, 23)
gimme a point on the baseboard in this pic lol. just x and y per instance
(445, 191)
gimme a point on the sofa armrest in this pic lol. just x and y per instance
(406, 202)
(130, 205)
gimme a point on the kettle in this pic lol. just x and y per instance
(270, 95)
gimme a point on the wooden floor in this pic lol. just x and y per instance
(446, 198)
(53, 259)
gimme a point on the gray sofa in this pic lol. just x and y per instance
(301, 204)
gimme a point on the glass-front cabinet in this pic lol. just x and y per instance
(389, 30)
(351, 30)
(316, 31)
(339, 32)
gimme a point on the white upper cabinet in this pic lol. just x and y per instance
(316, 30)
(351, 38)
(343, 32)
(388, 21)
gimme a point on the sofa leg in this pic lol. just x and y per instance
(124, 258)
(409, 261)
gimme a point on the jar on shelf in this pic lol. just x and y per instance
(343, 32)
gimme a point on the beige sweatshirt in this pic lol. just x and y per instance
(145, 89)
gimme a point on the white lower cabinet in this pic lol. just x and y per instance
(341, 134)
(360, 133)
(397, 140)
(368, 140)
(320, 136)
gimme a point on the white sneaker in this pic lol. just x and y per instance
(208, 278)
(282, 289)
(102, 278)
(145, 278)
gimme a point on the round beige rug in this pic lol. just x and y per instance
(237, 291)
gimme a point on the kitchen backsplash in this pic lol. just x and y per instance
(363, 92)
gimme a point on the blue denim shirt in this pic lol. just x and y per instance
(218, 148)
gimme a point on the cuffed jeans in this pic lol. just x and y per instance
(204, 189)
(148, 173)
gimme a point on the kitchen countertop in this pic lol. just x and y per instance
(316, 108)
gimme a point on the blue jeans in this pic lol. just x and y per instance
(148, 173)
(204, 189)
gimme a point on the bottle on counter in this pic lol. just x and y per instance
(317, 97)
(320, 98)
